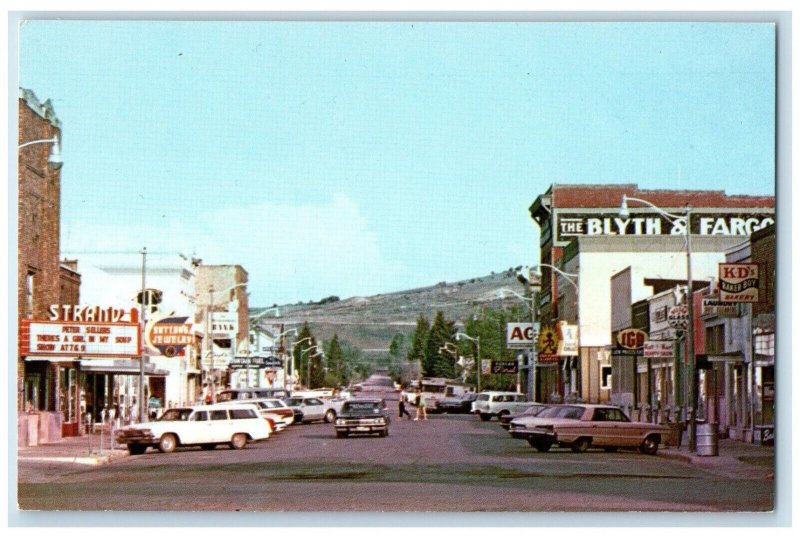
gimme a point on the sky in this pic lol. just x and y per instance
(353, 159)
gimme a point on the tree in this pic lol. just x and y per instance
(301, 353)
(490, 326)
(418, 339)
(438, 363)
(334, 358)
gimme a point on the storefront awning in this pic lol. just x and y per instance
(51, 359)
(120, 367)
(730, 356)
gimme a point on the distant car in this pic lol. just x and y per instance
(251, 393)
(580, 426)
(459, 404)
(363, 416)
(271, 408)
(493, 403)
(315, 408)
(532, 411)
(205, 426)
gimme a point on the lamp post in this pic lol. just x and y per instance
(294, 369)
(209, 333)
(477, 340)
(569, 278)
(285, 360)
(679, 221)
(533, 284)
(54, 159)
(308, 365)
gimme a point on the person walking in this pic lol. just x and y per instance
(401, 405)
(421, 406)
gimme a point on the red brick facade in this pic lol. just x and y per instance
(39, 215)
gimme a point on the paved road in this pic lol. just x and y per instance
(449, 463)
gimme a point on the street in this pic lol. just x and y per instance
(449, 463)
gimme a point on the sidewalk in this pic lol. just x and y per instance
(736, 458)
(84, 450)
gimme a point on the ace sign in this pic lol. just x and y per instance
(520, 335)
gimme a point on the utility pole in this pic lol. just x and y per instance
(143, 357)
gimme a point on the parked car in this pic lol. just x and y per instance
(459, 404)
(205, 426)
(251, 393)
(315, 408)
(532, 411)
(580, 426)
(273, 409)
(492, 403)
(362, 416)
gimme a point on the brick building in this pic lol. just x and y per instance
(583, 234)
(44, 387)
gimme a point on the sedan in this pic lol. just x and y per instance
(580, 426)
(532, 411)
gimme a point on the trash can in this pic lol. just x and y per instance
(707, 440)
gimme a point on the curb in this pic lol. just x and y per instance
(94, 459)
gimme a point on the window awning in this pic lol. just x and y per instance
(121, 367)
(51, 359)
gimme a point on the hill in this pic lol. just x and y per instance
(370, 323)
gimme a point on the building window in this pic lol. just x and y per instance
(715, 338)
(29, 290)
(605, 377)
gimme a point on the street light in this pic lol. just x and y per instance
(294, 346)
(279, 338)
(677, 221)
(308, 365)
(54, 159)
(209, 329)
(477, 340)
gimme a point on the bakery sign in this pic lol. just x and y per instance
(738, 282)
(569, 225)
(83, 332)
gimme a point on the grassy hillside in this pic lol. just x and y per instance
(369, 323)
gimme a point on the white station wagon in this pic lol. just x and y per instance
(205, 426)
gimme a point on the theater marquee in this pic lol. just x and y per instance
(54, 338)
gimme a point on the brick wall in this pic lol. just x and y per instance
(762, 251)
(39, 214)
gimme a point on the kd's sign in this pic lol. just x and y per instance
(738, 282)
(631, 339)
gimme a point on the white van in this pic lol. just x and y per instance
(492, 403)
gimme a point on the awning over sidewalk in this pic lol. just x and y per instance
(120, 367)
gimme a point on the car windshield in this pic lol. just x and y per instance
(171, 415)
(562, 412)
(362, 407)
(469, 397)
(482, 397)
(534, 410)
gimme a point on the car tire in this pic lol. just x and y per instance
(581, 445)
(330, 416)
(650, 445)
(485, 417)
(208, 446)
(383, 433)
(135, 449)
(238, 441)
(168, 443)
(540, 446)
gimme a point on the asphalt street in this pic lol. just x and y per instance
(446, 464)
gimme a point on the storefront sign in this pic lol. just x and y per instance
(92, 314)
(631, 338)
(504, 367)
(569, 225)
(738, 282)
(255, 361)
(520, 335)
(568, 340)
(547, 344)
(657, 349)
(712, 306)
(50, 338)
(169, 335)
(678, 317)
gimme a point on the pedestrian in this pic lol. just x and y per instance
(420, 401)
(401, 405)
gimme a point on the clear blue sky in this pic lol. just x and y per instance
(360, 158)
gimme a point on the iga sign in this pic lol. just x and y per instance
(631, 339)
(52, 338)
(738, 282)
(569, 225)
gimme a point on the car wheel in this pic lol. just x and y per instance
(502, 414)
(650, 445)
(581, 444)
(485, 417)
(208, 446)
(136, 449)
(239, 440)
(540, 446)
(168, 443)
(330, 416)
